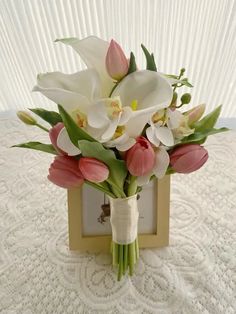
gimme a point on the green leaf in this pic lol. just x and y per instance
(47, 148)
(74, 131)
(209, 121)
(52, 117)
(132, 64)
(100, 187)
(117, 168)
(200, 137)
(185, 82)
(151, 65)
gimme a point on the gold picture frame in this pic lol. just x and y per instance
(101, 243)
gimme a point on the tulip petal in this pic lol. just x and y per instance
(164, 135)
(162, 163)
(93, 51)
(72, 91)
(64, 143)
(64, 178)
(148, 88)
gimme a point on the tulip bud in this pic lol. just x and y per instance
(64, 172)
(93, 170)
(53, 134)
(25, 117)
(195, 114)
(188, 158)
(185, 99)
(140, 158)
(116, 62)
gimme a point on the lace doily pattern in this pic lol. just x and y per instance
(38, 273)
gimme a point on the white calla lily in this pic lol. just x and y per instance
(72, 91)
(150, 91)
(93, 51)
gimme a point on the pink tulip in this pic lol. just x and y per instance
(53, 134)
(116, 63)
(188, 158)
(93, 170)
(195, 114)
(65, 173)
(140, 158)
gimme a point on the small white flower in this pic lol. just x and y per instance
(161, 131)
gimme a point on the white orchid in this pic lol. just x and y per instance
(162, 125)
(85, 95)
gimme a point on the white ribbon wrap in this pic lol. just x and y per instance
(124, 219)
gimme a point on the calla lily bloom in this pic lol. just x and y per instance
(81, 92)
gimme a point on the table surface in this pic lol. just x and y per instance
(38, 273)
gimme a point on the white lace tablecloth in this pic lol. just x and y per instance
(38, 273)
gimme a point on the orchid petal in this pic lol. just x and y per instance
(65, 144)
(97, 115)
(126, 115)
(107, 135)
(150, 90)
(93, 51)
(175, 118)
(164, 135)
(162, 163)
(150, 132)
(122, 143)
(123, 147)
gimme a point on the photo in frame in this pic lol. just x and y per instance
(89, 221)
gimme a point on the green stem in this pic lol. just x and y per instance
(125, 258)
(131, 259)
(137, 249)
(101, 187)
(41, 127)
(116, 190)
(120, 269)
(132, 186)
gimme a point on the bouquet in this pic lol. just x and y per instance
(117, 128)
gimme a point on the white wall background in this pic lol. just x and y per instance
(199, 35)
